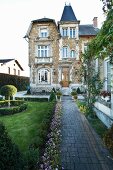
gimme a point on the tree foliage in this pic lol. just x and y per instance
(91, 77)
(8, 90)
(107, 5)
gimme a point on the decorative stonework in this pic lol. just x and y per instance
(54, 59)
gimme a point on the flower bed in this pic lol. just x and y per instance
(51, 156)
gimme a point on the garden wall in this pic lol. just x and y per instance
(104, 114)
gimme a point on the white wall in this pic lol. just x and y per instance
(12, 65)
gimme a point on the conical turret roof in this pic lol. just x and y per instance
(68, 14)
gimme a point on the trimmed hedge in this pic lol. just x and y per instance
(20, 82)
(17, 106)
(32, 99)
(10, 156)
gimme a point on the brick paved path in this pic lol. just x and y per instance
(81, 148)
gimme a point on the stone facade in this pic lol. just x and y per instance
(54, 52)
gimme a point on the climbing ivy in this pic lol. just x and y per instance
(100, 47)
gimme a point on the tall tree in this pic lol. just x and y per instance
(107, 5)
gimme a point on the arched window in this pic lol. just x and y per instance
(43, 76)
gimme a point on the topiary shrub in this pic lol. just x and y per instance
(10, 156)
(108, 139)
(8, 91)
(78, 91)
(52, 96)
(17, 107)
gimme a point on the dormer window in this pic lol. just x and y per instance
(72, 32)
(43, 32)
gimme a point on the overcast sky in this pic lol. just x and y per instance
(16, 15)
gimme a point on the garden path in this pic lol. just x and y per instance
(81, 147)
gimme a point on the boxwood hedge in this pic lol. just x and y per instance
(16, 107)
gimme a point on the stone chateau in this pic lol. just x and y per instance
(55, 50)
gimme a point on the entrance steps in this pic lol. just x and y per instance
(66, 91)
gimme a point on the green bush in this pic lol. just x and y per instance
(10, 156)
(59, 93)
(78, 91)
(52, 96)
(8, 90)
(32, 99)
(13, 110)
(20, 82)
(4, 103)
(32, 157)
(108, 139)
(73, 93)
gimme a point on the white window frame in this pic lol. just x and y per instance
(73, 54)
(43, 51)
(85, 46)
(43, 32)
(65, 52)
(64, 32)
(72, 32)
(44, 76)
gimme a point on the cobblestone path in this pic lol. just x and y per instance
(81, 148)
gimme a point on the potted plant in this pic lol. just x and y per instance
(74, 94)
(58, 94)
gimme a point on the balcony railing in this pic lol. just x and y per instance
(43, 60)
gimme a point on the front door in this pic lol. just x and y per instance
(65, 76)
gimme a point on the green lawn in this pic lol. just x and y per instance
(98, 126)
(23, 127)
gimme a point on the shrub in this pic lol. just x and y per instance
(78, 91)
(52, 96)
(8, 90)
(59, 94)
(20, 82)
(28, 91)
(32, 99)
(73, 93)
(13, 110)
(4, 103)
(108, 139)
(10, 156)
(32, 157)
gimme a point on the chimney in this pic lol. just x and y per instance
(95, 22)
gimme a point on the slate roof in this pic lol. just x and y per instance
(87, 30)
(8, 60)
(68, 14)
(5, 60)
(44, 20)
